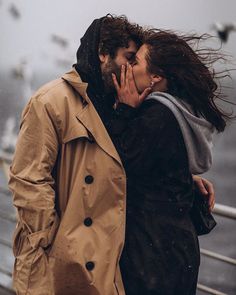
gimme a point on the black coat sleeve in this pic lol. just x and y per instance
(148, 138)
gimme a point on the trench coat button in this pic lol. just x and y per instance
(88, 221)
(90, 265)
(89, 179)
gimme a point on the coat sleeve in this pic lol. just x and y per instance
(147, 138)
(33, 189)
(139, 133)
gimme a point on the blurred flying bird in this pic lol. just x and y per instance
(23, 71)
(63, 63)
(223, 30)
(62, 42)
(14, 11)
(65, 55)
(9, 135)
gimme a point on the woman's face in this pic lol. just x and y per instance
(141, 76)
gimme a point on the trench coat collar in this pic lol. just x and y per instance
(89, 117)
(73, 78)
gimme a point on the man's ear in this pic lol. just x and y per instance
(103, 57)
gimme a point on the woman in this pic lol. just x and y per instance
(162, 142)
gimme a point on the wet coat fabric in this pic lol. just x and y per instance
(69, 187)
(161, 252)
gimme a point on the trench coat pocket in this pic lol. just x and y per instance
(30, 265)
(45, 237)
(31, 261)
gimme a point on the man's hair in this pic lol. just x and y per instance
(116, 32)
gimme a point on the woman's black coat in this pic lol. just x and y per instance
(161, 253)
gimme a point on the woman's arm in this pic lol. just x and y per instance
(129, 101)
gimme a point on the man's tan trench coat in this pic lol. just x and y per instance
(69, 187)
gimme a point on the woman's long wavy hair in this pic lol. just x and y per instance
(189, 72)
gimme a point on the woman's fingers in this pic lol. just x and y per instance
(211, 194)
(122, 76)
(127, 91)
(206, 188)
(116, 84)
(128, 72)
(145, 94)
(130, 78)
(200, 185)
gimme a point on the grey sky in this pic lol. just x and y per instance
(29, 35)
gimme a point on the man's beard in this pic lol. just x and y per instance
(109, 68)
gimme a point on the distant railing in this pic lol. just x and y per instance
(219, 209)
(209, 290)
(227, 212)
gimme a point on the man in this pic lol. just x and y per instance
(68, 182)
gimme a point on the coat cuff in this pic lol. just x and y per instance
(125, 111)
(45, 237)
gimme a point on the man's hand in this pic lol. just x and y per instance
(127, 91)
(206, 188)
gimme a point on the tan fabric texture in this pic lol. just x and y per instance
(61, 141)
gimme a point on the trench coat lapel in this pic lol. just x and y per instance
(89, 117)
(91, 120)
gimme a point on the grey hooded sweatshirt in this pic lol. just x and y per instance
(197, 131)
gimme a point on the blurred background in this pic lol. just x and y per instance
(38, 42)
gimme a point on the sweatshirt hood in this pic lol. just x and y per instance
(197, 131)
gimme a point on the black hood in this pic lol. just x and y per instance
(88, 67)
